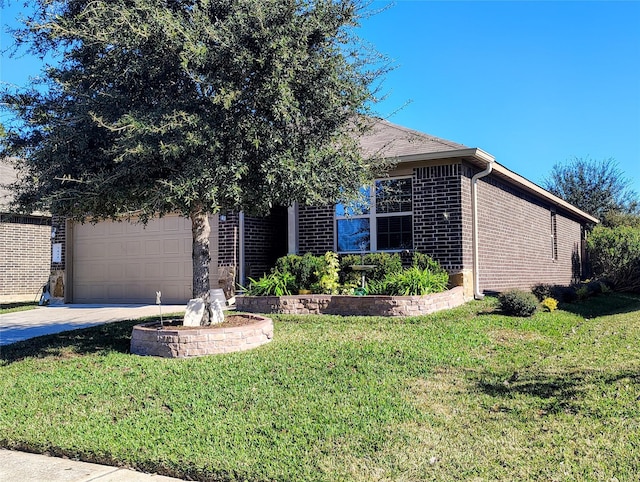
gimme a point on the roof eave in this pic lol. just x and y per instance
(482, 158)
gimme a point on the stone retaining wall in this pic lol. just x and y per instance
(168, 342)
(352, 305)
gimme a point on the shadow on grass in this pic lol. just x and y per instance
(604, 305)
(559, 393)
(105, 338)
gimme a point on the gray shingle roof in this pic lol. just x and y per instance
(388, 140)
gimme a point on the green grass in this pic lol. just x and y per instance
(466, 394)
(17, 306)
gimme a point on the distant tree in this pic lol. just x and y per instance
(596, 187)
(192, 106)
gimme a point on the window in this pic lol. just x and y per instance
(380, 220)
(554, 236)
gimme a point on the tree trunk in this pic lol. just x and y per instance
(201, 258)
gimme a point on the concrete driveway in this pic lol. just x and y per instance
(46, 320)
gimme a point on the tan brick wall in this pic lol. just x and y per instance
(25, 254)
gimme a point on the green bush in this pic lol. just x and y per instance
(615, 256)
(304, 269)
(424, 261)
(328, 276)
(272, 284)
(518, 303)
(411, 281)
(385, 263)
(542, 291)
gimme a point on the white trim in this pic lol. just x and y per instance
(292, 229)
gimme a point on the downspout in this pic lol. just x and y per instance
(474, 220)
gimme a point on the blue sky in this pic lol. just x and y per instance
(532, 83)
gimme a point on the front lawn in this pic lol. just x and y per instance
(11, 307)
(466, 394)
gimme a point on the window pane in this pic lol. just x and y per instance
(357, 207)
(394, 232)
(353, 234)
(393, 196)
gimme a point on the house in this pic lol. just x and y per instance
(489, 227)
(25, 246)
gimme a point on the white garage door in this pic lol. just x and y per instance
(121, 262)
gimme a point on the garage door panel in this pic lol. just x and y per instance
(115, 291)
(171, 224)
(92, 272)
(152, 247)
(171, 246)
(116, 272)
(116, 249)
(90, 230)
(114, 228)
(172, 270)
(127, 263)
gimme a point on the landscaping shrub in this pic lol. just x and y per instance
(385, 264)
(564, 294)
(272, 284)
(518, 303)
(411, 281)
(542, 291)
(615, 256)
(330, 275)
(305, 269)
(328, 282)
(549, 304)
(424, 261)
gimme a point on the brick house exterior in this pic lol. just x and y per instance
(525, 235)
(25, 247)
(489, 227)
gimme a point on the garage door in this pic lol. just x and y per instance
(122, 262)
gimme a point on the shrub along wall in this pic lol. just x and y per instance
(352, 305)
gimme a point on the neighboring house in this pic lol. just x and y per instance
(489, 227)
(25, 246)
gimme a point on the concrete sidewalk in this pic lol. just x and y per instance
(26, 467)
(46, 320)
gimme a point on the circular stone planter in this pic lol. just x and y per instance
(237, 333)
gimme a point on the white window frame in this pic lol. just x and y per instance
(372, 216)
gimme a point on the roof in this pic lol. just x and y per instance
(8, 175)
(387, 140)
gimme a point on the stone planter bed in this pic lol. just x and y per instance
(237, 333)
(352, 305)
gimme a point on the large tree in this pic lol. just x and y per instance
(191, 106)
(597, 187)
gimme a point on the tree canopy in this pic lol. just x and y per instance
(192, 106)
(597, 187)
(179, 105)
